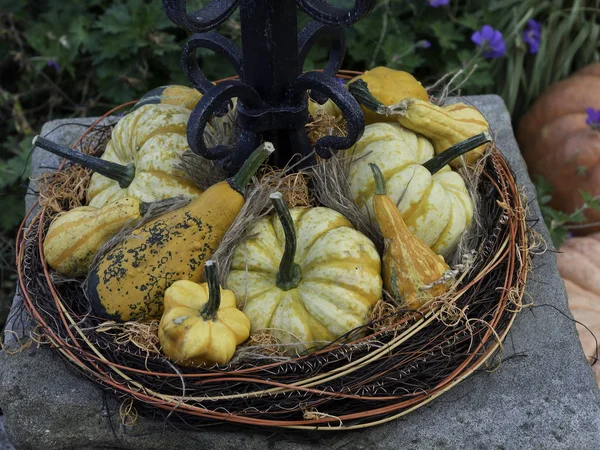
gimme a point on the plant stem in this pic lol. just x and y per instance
(209, 312)
(443, 158)
(122, 174)
(250, 166)
(380, 188)
(359, 89)
(289, 274)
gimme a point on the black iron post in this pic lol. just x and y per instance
(272, 89)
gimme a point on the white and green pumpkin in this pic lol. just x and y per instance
(309, 281)
(436, 207)
(150, 142)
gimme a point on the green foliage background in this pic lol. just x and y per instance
(79, 58)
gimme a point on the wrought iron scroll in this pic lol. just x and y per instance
(272, 89)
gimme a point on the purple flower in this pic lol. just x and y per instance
(54, 65)
(491, 41)
(436, 3)
(423, 44)
(593, 119)
(532, 35)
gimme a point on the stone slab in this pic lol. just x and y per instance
(543, 396)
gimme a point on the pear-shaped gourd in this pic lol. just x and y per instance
(74, 237)
(201, 325)
(306, 275)
(433, 200)
(129, 282)
(412, 272)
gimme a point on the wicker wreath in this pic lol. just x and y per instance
(403, 361)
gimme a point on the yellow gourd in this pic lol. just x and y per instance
(389, 87)
(130, 280)
(75, 236)
(445, 126)
(306, 275)
(412, 272)
(173, 94)
(201, 325)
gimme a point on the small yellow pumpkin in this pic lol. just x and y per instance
(412, 272)
(75, 236)
(201, 325)
(306, 275)
(389, 87)
(437, 207)
(173, 94)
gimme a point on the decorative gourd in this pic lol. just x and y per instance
(141, 159)
(174, 94)
(412, 272)
(433, 200)
(306, 275)
(558, 144)
(390, 87)
(130, 280)
(75, 236)
(579, 265)
(201, 325)
(445, 126)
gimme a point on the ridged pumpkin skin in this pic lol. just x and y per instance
(340, 283)
(130, 280)
(190, 340)
(445, 126)
(436, 208)
(557, 143)
(75, 236)
(173, 94)
(152, 138)
(408, 263)
(390, 86)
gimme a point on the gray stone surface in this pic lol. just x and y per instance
(542, 396)
(4, 444)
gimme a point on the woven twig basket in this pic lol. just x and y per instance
(350, 384)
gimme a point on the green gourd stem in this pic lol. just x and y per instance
(289, 274)
(380, 188)
(122, 174)
(359, 89)
(250, 166)
(443, 158)
(209, 312)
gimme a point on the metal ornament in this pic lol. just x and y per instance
(271, 91)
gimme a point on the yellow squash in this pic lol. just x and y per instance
(75, 237)
(306, 275)
(445, 126)
(130, 281)
(173, 94)
(436, 206)
(412, 272)
(201, 325)
(389, 86)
